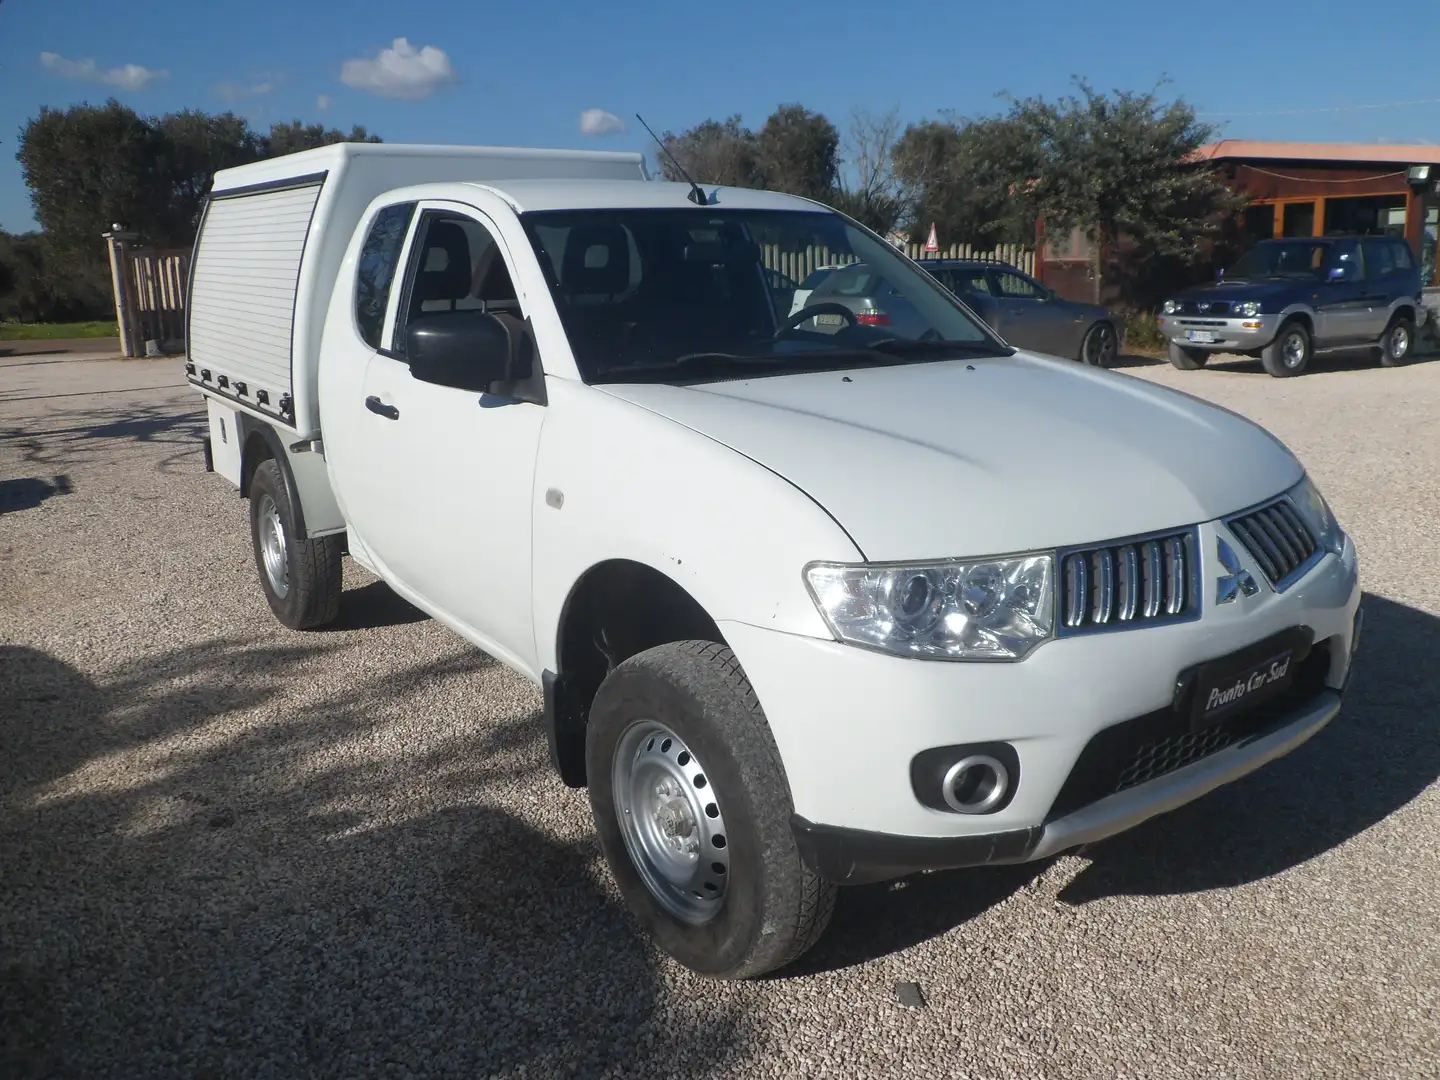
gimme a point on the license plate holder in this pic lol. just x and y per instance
(829, 320)
(1229, 685)
(1202, 337)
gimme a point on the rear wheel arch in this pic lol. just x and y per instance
(260, 442)
(615, 610)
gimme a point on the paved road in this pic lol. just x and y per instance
(227, 850)
(71, 348)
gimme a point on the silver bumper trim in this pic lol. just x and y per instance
(1129, 808)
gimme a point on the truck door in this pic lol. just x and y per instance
(460, 465)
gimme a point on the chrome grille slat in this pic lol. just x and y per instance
(1154, 586)
(1104, 585)
(1277, 538)
(1128, 584)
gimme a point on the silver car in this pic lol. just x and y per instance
(1028, 315)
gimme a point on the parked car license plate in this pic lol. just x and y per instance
(1247, 678)
(829, 320)
(1205, 337)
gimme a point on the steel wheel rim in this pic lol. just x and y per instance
(1102, 346)
(1294, 350)
(1399, 342)
(671, 821)
(273, 548)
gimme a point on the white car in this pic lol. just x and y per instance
(807, 609)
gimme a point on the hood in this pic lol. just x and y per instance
(986, 456)
(1244, 289)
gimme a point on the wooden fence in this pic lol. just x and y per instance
(798, 265)
(157, 281)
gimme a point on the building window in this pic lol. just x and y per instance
(1370, 215)
(1299, 219)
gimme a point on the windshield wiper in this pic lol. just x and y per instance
(903, 347)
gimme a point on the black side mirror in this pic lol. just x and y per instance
(469, 350)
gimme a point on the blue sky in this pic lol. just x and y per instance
(523, 73)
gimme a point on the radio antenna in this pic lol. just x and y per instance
(696, 195)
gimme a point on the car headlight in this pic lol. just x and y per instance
(1306, 498)
(1169, 307)
(1246, 308)
(990, 609)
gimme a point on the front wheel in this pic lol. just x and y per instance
(1399, 339)
(693, 811)
(1100, 346)
(1289, 354)
(301, 577)
(1187, 359)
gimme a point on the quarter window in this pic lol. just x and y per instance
(378, 260)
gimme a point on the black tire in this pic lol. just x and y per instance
(1398, 341)
(1289, 354)
(1187, 359)
(774, 908)
(309, 593)
(1100, 346)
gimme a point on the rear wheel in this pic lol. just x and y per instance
(1399, 339)
(301, 578)
(1100, 346)
(1289, 353)
(693, 811)
(1187, 359)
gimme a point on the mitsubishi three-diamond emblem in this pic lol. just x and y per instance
(1236, 579)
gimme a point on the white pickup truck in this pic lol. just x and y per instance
(811, 602)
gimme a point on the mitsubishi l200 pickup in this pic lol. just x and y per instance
(808, 607)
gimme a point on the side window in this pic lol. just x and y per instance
(1403, 259)
(1345, 257)
(1379, 258)
(1015, 287)
(455, 265)
(378, 260)
(976, 281)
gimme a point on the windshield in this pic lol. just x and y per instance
(688, 294)
(1288, 259)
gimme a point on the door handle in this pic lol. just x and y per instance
(379, 408)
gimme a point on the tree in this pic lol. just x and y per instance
(296, 136)
(869, 190)
(193, 147)
(714, 152)
(798, 152)
(971, 178)
(1121, 167)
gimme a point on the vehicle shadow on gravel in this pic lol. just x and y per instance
(200, 882)
(1377, 756)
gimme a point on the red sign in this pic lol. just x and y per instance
(932, 244)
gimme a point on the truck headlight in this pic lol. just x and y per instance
(987, 609)
(1169, 307)
(1306, 498)
(1247, 308)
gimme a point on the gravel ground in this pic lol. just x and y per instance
(229, 850)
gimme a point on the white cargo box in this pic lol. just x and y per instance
(271, 241)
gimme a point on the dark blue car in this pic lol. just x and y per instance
(1287, 300)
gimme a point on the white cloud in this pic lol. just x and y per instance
(600, 122)
(322, 102)
(401, 71)
(128, 77)
(229, 91)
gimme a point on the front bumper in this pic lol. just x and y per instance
(855, 857)
(1230, 335)
(849, 723)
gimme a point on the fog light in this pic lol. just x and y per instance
(975, 785)
(1251, 325)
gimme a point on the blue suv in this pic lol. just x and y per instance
(1287, 300)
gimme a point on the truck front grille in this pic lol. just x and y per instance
(1277, 537)
(1132, 583)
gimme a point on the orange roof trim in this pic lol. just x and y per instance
(1361, 153)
